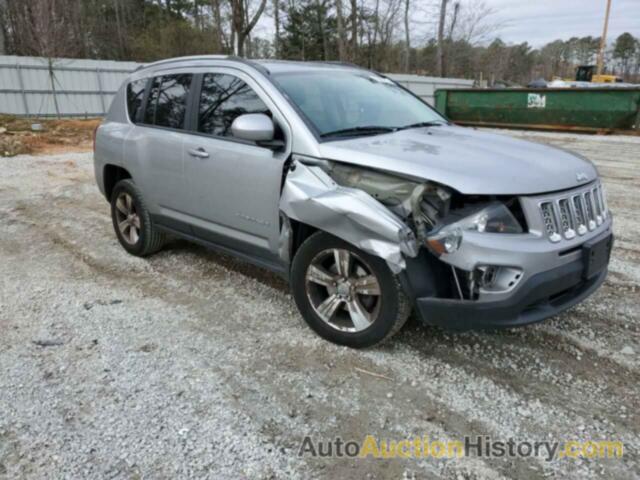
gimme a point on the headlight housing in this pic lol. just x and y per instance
(492, 218)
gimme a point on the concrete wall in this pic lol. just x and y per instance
(86, 87)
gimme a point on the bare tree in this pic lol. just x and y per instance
(475, 25)
(276, 21)
(454, 19)
(379, 26)
(376, 27)
(3, 9)
(354, 31)
(407, 36)
(216, 11)
(320, 6)
(440, 53)
(241, 24)
(44, 28)
(341, 34)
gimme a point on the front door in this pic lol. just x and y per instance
(234, 184)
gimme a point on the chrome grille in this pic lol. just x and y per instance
(574, 213)
(591, 216)
(550, 223)
(566, 219)
(578, 209)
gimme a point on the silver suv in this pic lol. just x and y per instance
(366, 199)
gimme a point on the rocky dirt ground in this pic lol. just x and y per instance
(29, 136)
(191, 364)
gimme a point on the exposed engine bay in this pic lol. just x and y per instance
(421, 204)
(394, 217)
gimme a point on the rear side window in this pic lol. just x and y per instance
(135, 95)
(222, 99)
(167, 103)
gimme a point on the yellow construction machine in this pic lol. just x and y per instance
(586, 73)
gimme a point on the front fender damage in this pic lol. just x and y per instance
(312, 197)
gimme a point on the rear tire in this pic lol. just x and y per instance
(132, 221)
(346, 295)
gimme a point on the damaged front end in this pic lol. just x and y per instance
(312, 195)
(393, 217)
(383, 214)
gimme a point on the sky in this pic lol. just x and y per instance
(534, 21)
(541, 21)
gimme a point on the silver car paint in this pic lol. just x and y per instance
(253, 127)
(311, 196)
(469, 161)
(531, 253)
(243, 177)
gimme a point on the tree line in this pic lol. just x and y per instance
(429, 37)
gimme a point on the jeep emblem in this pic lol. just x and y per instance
(582, 177)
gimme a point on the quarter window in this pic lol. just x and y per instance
(167, 102)
(222, 99)
(135, 95)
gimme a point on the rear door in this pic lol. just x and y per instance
(235, 184)
(158, 140)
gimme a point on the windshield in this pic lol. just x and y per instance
(353, 103)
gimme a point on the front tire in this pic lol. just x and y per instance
(346, 295)
(132, 221)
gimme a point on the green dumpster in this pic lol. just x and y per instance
(587, 109)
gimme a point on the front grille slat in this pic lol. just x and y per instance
(567, 222)
(598, 207)
(573, 213)
(591, 215)
(603, 201)
(550, 221)
(578, 208)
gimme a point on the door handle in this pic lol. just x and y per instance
(198, 152)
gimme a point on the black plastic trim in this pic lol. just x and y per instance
(187, 232)
(542, 296)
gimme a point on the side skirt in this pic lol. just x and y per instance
(276, 267)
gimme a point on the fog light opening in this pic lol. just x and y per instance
(487, 276)
(493, 278)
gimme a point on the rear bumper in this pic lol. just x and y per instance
(543, 295)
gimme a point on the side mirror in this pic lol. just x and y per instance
(256, 127)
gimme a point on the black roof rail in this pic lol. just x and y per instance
(234, 58)
(337, 62)
(251, 63)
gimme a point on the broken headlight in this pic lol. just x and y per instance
(493, 218)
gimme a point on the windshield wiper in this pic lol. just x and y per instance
(367, 130)
(434, 123)
(375, 130)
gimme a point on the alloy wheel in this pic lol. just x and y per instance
(343, 290)
(127, 218)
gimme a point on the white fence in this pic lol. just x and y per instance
(67, 88)
(425, 87)
(29, 86)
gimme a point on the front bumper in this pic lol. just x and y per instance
(543, 296)
(540, 296)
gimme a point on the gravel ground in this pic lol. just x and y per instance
(191, 364)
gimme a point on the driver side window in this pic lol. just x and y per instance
(223, 98)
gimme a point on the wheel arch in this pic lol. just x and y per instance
(311, 197)
(111, 175)
(299, 233)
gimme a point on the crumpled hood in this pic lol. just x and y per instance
(468, 160)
